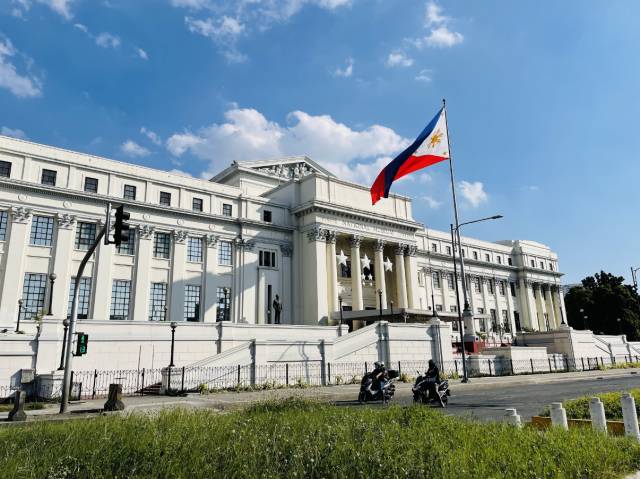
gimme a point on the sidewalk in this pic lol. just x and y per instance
(343, 394)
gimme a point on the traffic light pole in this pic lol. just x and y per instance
(66, 383)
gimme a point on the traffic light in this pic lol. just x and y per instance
(81, 344)
(121, 233)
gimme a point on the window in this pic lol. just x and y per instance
(223, 304)
(510, 261)
(450, 283)
(224, 253)
(165, 198)
(533, 263)
(48, 177)
(453, 308)
(266, 216)
(128, 248)
(501, 288)
(3, 225)
(129, 192)
(516, 319)
(480, 310)
(85, 235)
(120, 294)
(196, 204)
(5, 169)
(226, 209)
(268, 259)
(499, 258)
(91, 185)
(541, 265)
(476, 284)
(462, 252)
(434, 247)
(194, 250)
(448, 250)
(162, 246)
(487, 258)
(192, 302)
(84, 297)
(158, 302)
(513, 289)
(505, 319)
(345, 270)
(550, 266)
(475, 255)
(439, 307)
(494, 320)
(490, 286)
(436, 279)
(33, 292)
(42, 231)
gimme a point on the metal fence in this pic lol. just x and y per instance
(95, 384)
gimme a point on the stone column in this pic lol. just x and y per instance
(551, 310)
(286, 316)
(210, 296)
(558, 302)
(314, 277)
(511, 308)
(528, 305)
(332, 272)
(13, 275)
(411, 277)
(356, 275)
(141, 282)
(248, 287)
(102, 283)
(378, 261)
(540, 306)
(400, 276)
(62, 264)
(485, 304)
(178, 262)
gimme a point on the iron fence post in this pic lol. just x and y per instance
(532, 371)
(329, 371)
(582, 361)
(238, 375)
(182, 385)
(455, 362)
(142, 389)
(70, 385)
(286, 372)
(95, 377)
(399, 368)
(512, 371)
(489, 363)
(169, 381)
(554, 361)
(365, 367)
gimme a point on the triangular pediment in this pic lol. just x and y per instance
(287, 168)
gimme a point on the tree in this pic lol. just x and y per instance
(610, 305)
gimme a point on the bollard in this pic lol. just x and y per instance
(559, 415)
(114, 401)
(17, 413)
(512, 417)
(629, 416)
(598, 418)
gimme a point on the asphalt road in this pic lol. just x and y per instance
(488, 402)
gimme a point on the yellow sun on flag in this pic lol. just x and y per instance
(435, 139)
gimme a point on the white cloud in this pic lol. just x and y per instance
(131, 148)
(21, 85)
(142, 54)
(345, 72)
(399, 59)
(473, 192)
(224, 32)
(81, 27)
(431, 203)
(424, 76)
(15, 133)
(248, 135)
(443, 37)
(61, 7)
(425, 178)
(155, 139)
(107, 40)
(530, 188)
(175, 171)
(434, 15)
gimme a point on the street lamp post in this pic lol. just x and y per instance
(380, 301)
(173, 326)
(340, 303)
(19, 314)
(65, 323)
(634, 276)
(52, 279)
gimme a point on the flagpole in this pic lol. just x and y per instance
(467, 312)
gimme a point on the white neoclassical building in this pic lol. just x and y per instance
(221, 250)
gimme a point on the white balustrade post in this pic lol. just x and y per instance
(629, 416)
(512, 417)
(559, 415)
(598, 418)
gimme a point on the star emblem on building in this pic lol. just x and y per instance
(388, 265)
(342, 258)
(366, 262)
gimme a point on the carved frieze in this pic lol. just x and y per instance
(20, 214)
(66, 221)
(286, 250)
(146, 231)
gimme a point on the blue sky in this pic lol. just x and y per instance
(542, 99)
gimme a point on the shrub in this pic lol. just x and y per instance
(579, 408)
(339, 380)
(405, 378)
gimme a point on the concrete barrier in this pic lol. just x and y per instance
(598, 418)
(559, 415)
(512, 417)
(630, 416)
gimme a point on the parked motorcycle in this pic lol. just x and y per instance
(371, 392)
(421, 391)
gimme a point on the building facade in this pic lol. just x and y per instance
(221, 250)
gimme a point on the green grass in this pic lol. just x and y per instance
(579, 408)
(302, 439)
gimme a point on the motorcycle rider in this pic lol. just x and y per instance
(433, 379)
(379, 376)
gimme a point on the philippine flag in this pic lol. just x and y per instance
(431, 147)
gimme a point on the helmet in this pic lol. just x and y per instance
(379, 364)
(431, 362)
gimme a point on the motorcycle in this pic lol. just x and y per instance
(367, 393)
(421, 391)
